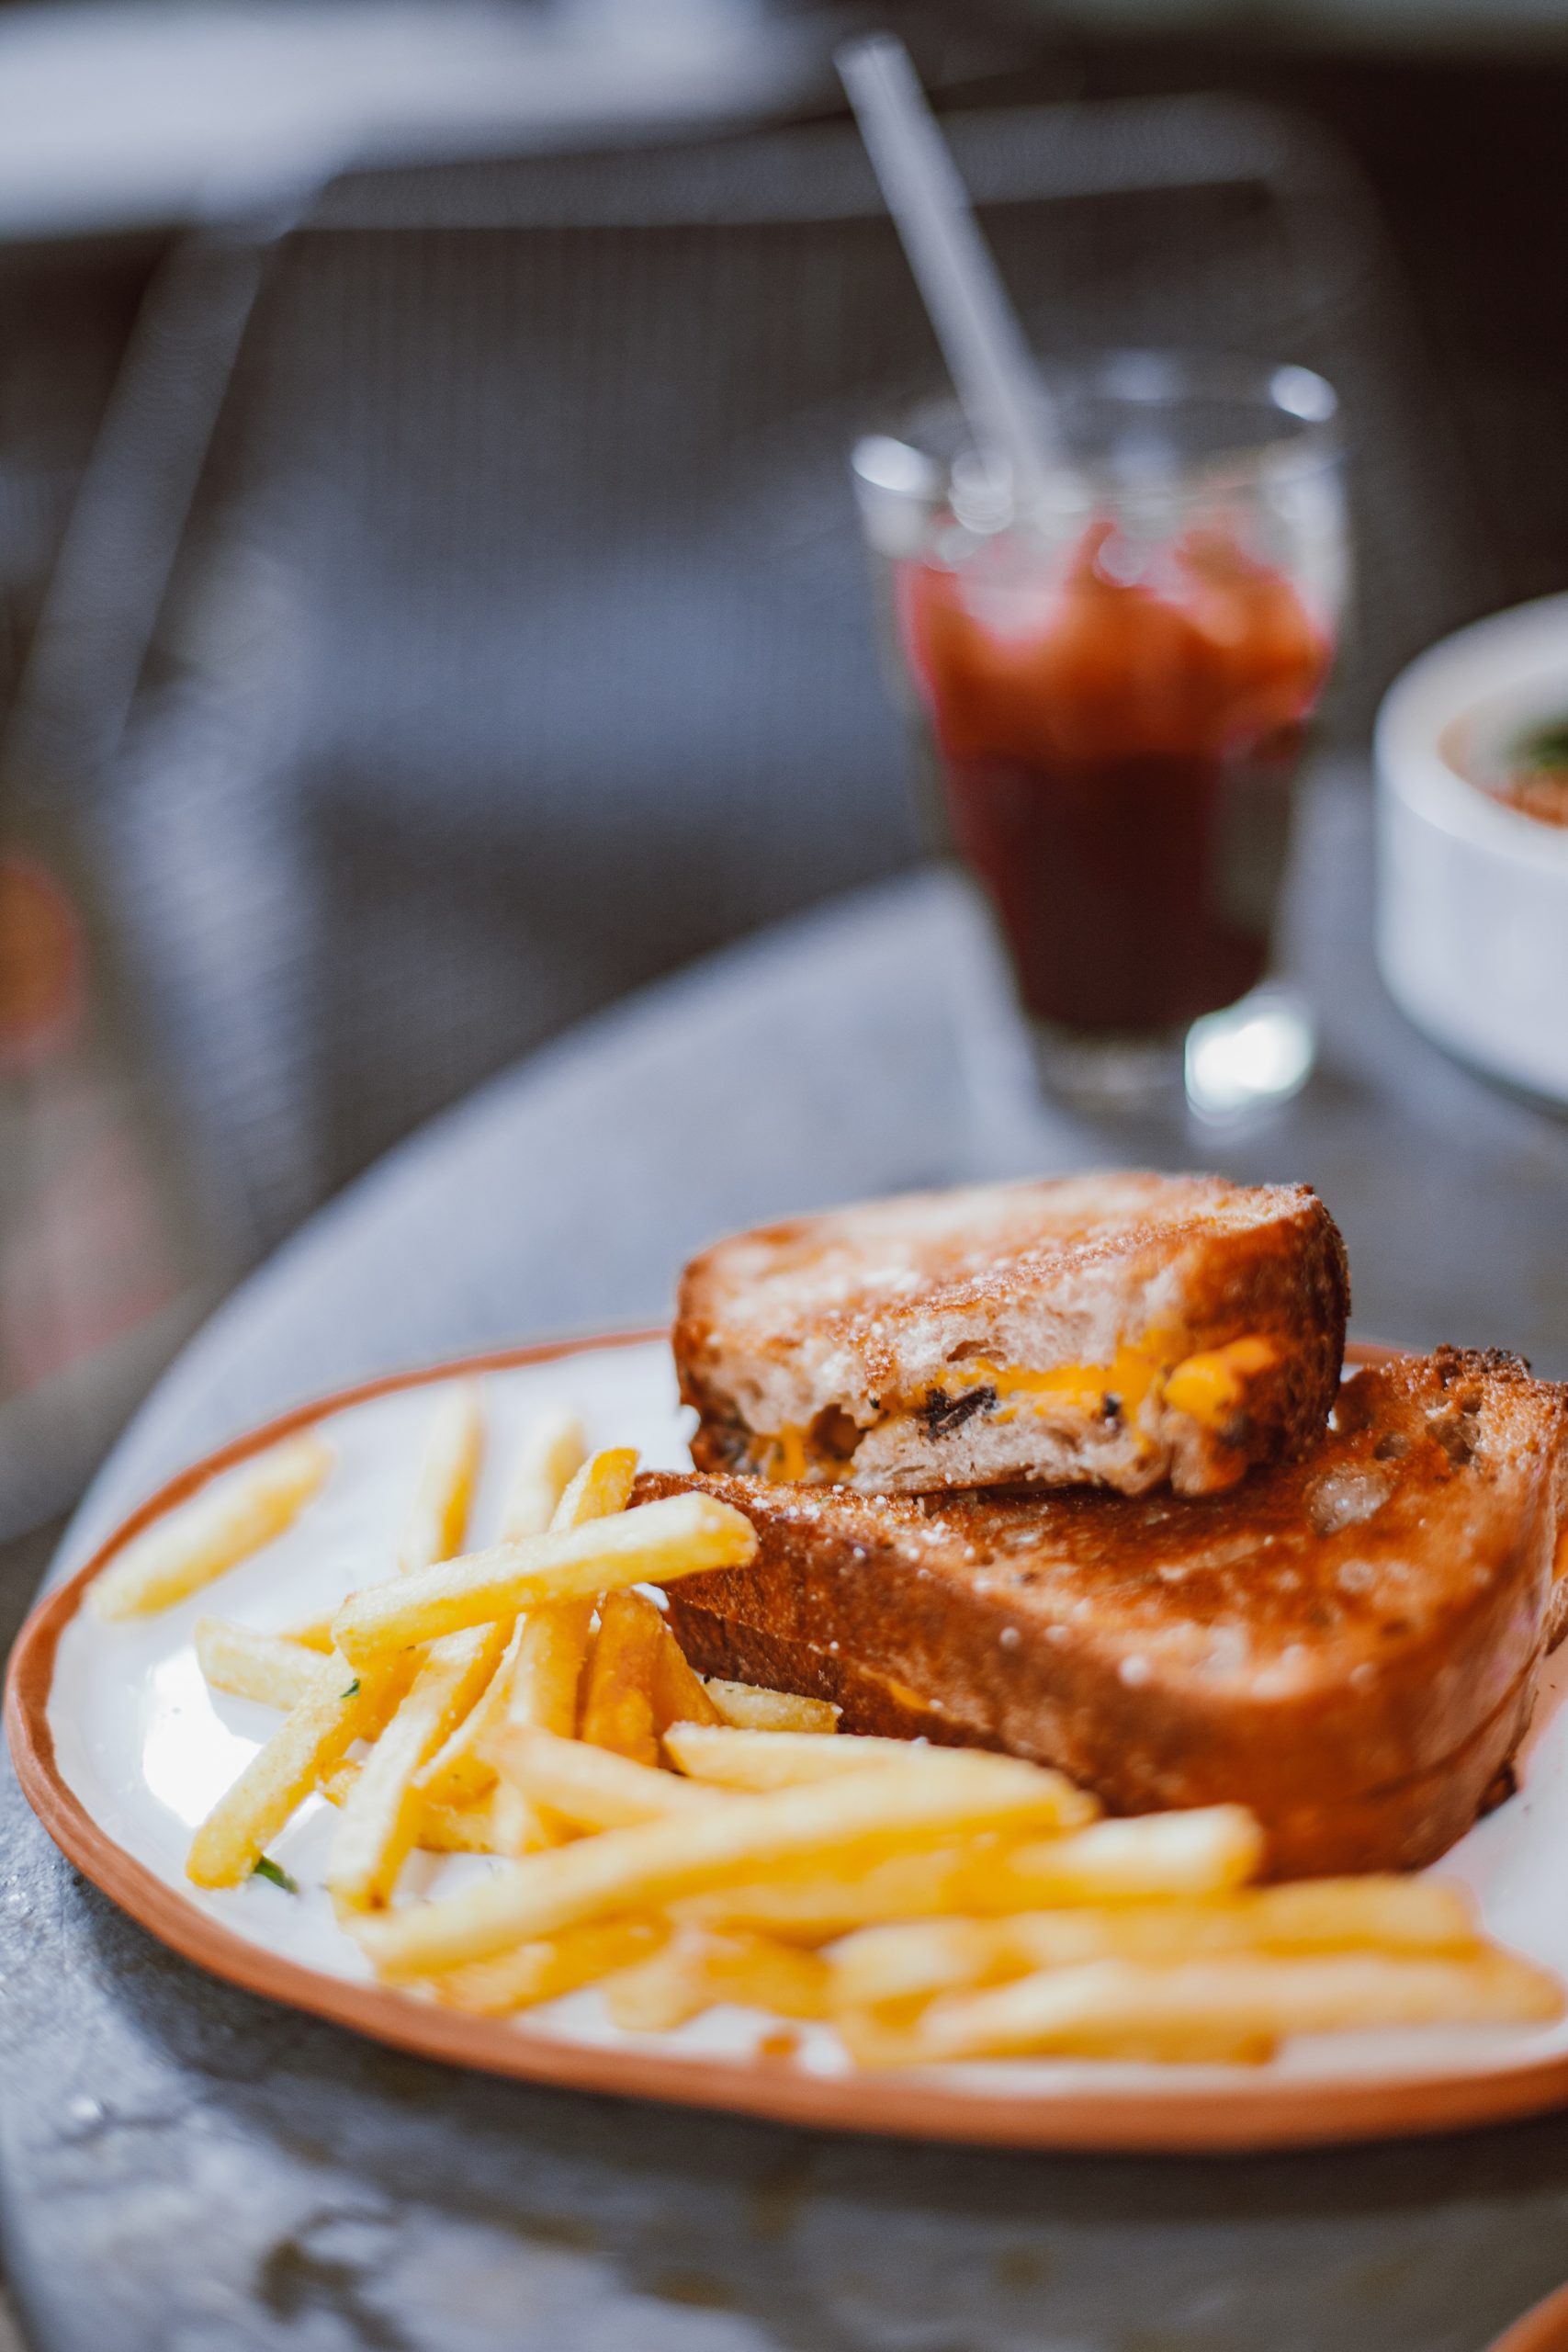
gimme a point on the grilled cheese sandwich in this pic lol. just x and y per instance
(1121, 1330)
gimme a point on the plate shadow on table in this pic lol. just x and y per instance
(415, 2208)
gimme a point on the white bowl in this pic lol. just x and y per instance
(1472, 895)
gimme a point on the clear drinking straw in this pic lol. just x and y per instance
(982, 342)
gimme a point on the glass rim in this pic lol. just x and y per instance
(894, 460)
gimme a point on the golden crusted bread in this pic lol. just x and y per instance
(1120, 1329)
(1348, 1644)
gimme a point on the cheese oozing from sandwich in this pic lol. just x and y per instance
(1209, 1388)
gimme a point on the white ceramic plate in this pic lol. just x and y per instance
(1472, 895)
(123, 1749)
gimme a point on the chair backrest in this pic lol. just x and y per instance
(517, 645)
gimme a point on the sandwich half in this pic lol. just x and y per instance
(1349, 1644)
(1121, 1330)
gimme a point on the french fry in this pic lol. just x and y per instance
(1120, 2007)
(380, 1817)
(312, 1739)
(437, 1828)
(482, 1828)
(460, 1771)
(315, 1633)
(695, 1970)
(637, 1869)
(599, 1488)
(550, 1659)
(1203, 1853)
(618, 1704)
(679, 1695)
(878, 2038)
(520, 1827)
(539, 1684)
(264, 1667)
(750, 1708)
(679, 1535)
(1208, 1850)
(335, 1784)
(1392, 1915)
(661, 1991)
(542, 1685)
(781, 1759)
(447, 1475)
(551, 1453)
(212, 1532)
(552, 1646)
(543, 1679)
(595, 1788)
(757, 1973)
(377, 1825)
(543, 1971)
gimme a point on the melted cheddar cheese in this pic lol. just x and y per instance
(1209, 1388)
(789, 1456)
(1081, 1387)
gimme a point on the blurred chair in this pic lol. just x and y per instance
(465, 619)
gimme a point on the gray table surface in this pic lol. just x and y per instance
(184, 2166)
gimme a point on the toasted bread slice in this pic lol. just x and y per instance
(1347, 1645)
(1116, 1330)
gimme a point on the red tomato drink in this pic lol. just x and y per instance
(1117, 755)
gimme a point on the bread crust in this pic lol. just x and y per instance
(1024, 1332)
(1349, 1644)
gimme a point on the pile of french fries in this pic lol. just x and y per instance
(684, 1844)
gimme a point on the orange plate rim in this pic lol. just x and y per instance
(1542, 2329)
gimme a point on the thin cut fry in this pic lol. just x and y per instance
(549, 1666)
(542, 1683)
(543, 1971)
(311, 1739)
(377, 1826)
(483, 1828)
(593, 1788)
(263, 1666)
(315, 1633)
(679, 1695)
(380, 1817)
(750, 1708)
(552, 1647)
(694, 1971)
(878, 2038)
(1097, 2009)
(782, 1759)
(617, 1705)
(601, 1487)
(460, 1771)
(446, 1479)
(1391, 1915)
(222, 1525)
(633, 1869)
(335, 1784)
(551, 1453)
(1159, 1855)
(519, 1828)
(681, 1535)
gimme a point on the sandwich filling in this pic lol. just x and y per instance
(1208, 1387)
